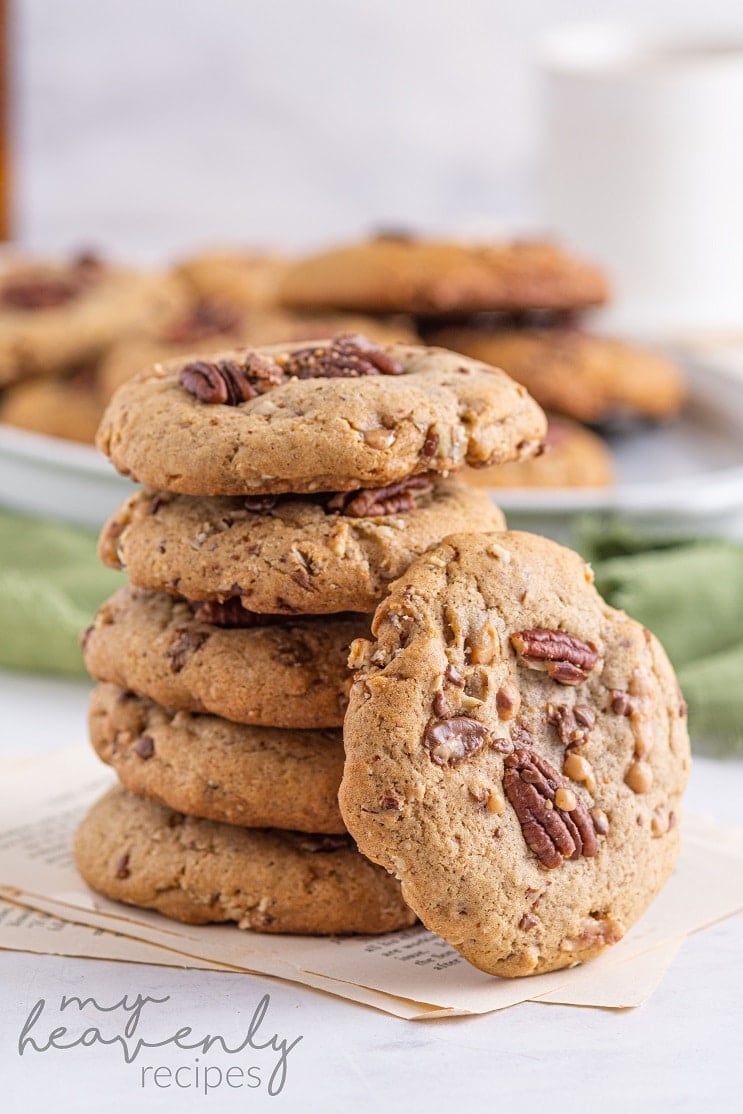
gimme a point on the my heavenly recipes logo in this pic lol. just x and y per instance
(135, 1025)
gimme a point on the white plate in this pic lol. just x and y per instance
(688, 475)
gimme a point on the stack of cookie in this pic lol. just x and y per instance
(285, 488)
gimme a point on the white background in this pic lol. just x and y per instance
(154, 125)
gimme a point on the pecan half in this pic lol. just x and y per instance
(231, 613)
(451, 741)
(348, 355)
(228, 382)
(552, 833)
(564, 657)
(377, 501)
(187, 642)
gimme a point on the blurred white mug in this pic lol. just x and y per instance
(643, 172)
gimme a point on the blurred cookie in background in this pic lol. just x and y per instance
(399, 273)
(58, 316)
(70, 409)
(244, 279)
(573, 457)
(593, 379)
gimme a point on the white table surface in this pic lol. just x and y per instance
(680, 1052)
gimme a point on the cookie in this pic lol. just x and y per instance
(255, 777)
(212, 325)
(573, 457)
(289, 674)
(516, 751)
(202, 872)
(57, 408)
(244, 279)
(56, 317)
(334, 416)
(399, 273)
(590, 378)
(288, 555)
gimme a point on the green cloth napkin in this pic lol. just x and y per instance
(690, 594)
(51, 583)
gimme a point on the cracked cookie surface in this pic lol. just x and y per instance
(282, 420)
(291, 556)
(288, 674)
(202, 765)
(202, 872)
(516, 751)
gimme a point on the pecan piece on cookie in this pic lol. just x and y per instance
(451, 741)
(228, 382)
(348, 355)
(564, 657)
(378, 501)
(231, 613)
(555, 823)
(186, 643)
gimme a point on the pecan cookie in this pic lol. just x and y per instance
(58, 316)
(399, 273)
(573, 457)
(289, 555)
(200, 872)
(331, 416)
(516, 751)
(255, 777)
(285, 673)
(590, 378)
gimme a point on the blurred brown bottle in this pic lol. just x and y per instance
(4, 122)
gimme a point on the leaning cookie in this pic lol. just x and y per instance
(255, 777)
(404, 274)
(516, 751)
(277, 673)
(289, 555)
(331, 416)
(591, 378)
(202, 872)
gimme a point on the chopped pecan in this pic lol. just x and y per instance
(228, 382)
(260, 504)
(144, 746)
(573, 723)
(202, 320)
(564, 657)
(348, 355)
(453, 676)
(552, 833)
(622, 704)
(441, 706)
(186, 643)
(431, 444)
(377, 501)
(231, 613)
(451, 741)
(324, 843)
(122, 867)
